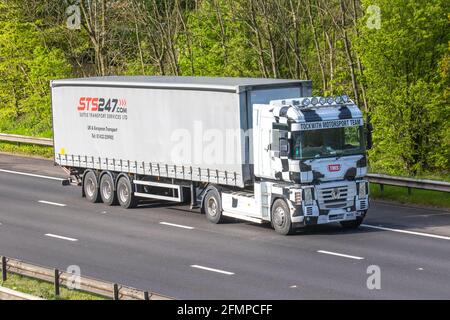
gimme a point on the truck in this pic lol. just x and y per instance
(254, 149)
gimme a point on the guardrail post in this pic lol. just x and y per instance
(4, 274)
(409, 191)
(381, 187)
(57, 282)
(146, 295)
(116, 291)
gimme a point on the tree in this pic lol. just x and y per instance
(26, 68)
(404, 89)
(216, 42)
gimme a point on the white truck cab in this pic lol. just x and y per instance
(309, 163)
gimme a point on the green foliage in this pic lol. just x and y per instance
(408, 109)
(26, 68)
(216, 43)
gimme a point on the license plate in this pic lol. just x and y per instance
(336, 217)
(351, 215)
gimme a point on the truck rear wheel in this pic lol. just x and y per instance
(125, 193)
(213, 206)
(90, 186)
(107, 192)
(281, 217)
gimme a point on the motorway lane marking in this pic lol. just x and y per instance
(32, 175)
(52, 203)
(213, 270)
(176, 225)
(60, 237)
(429, 235)
(340, 255)
(428, 215)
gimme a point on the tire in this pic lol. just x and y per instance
(281, 217)
(90, 187)
(125, 193)
(107, 192)
(353, 224)
(213, 207)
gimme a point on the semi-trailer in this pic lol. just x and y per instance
(261, 150)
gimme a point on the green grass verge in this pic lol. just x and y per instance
(26, 149)
(400, 194)
(44, 289)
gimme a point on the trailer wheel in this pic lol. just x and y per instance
(281, 217)
(90, 187)
(125, 194)
(353, 224)
(107, 192)
(213, 206)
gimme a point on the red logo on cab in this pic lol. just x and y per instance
(334, 167)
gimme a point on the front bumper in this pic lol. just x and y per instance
(336, 216)
(319, 212)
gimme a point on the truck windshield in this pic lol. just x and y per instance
(327, 142)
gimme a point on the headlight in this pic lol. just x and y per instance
(322, 100)
(362, 189)
(306, 102)
(308, 196)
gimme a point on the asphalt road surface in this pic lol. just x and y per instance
(168, 249)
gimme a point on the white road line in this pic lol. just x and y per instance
(52, 203)
(428, 215)
(31, 175)
(213, 270)
(429, 235)
(340, 255)
(60, 237)
(176, 225)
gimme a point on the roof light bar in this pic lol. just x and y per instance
(316, 101)
(306, 102)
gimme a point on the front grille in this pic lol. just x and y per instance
(334, 197)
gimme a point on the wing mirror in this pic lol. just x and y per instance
(284, 147)
(280, 143)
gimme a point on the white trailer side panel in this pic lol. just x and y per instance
(151, 131)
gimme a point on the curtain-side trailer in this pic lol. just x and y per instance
(235, 147)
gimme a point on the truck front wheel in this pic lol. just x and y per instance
(213, 206)
(90, 186)
(125, 194)
(107, 192)
(281, 217)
